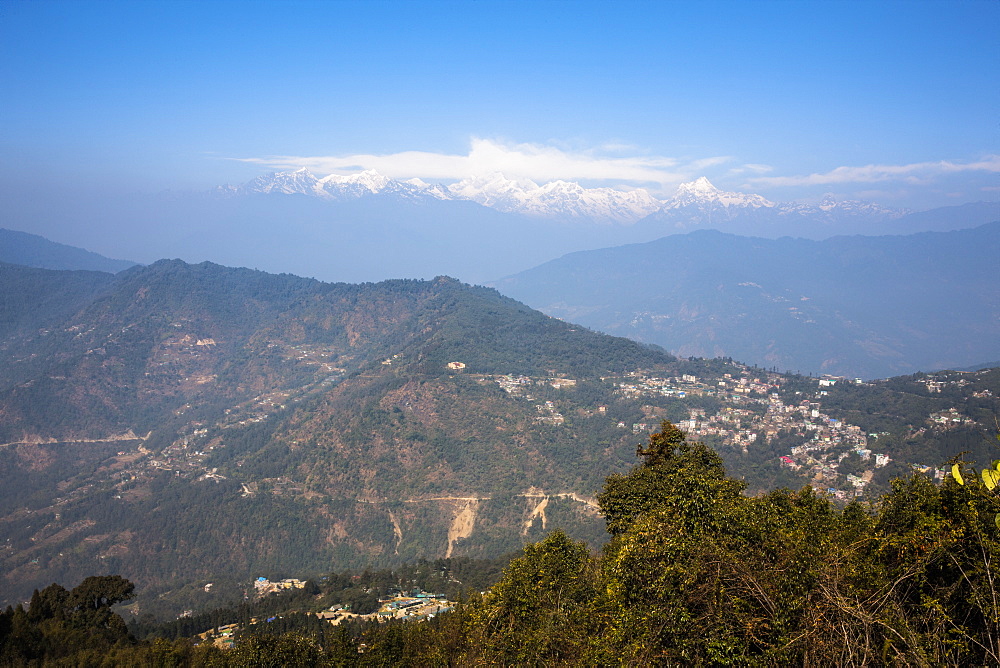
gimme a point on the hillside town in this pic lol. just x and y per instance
(751, 412)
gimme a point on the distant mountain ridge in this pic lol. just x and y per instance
(32, 250)
(855, 306)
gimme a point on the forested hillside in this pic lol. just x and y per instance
(194, 421)
(180, 424)
(695, 572)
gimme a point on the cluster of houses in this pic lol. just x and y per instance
(416, 607)
(223, 636)
(517, 386)
(549, 414)
(262, 586)
(752, 411)
(949, 418)
(937, 382)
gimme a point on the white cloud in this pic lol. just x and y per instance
(751, 167)
(485, 156)
(917, 173)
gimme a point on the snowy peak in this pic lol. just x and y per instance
(492, 187)
(701, 185)
(495, 191)
(369, 180)
(298, 182)
(556, 198)
(702, 193)
(334, 186)
(831, 208)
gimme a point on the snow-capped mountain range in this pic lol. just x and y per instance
(697, 200)
(334, 186)
(556, 199)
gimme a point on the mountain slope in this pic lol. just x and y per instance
(32, 250)
(186, 421)
(170, 323)
(945, 219)
(856, 306)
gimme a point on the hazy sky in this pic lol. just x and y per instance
(894, 102)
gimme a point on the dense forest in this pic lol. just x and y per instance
(695, 572)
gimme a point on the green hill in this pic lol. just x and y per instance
(190, 420)
(180, 423)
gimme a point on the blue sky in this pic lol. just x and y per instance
(893, 102)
